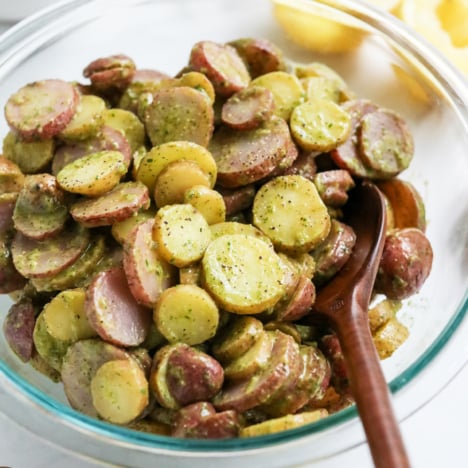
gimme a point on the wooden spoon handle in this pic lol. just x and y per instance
(370, 392)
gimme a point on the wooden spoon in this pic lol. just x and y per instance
(345, 301)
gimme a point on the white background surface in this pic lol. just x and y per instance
(436, 436)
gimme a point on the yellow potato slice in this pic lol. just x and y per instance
(286, 89)
(243, 274)
(128, 124)
(308, 27)
(119, 390)
(289, 210)
(282, 424)
(234, 227)
(208, 202)
(320, 125)
(87, 120)
(198, 81)
(65, 316)
(181, 233)
(121, 230)
(175, 179)
(94, 174)
(389, 337)
(160, 156)
(186, 313)
(382, 312)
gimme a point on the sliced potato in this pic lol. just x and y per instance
(87, 120)
(175, 179)
(289, 210)
(94, 174)
(237, 338)
(255, 358)
(320, 125)
(186, 313)
(11, 177)
(208, 202)
(389, 337)
(282, 424)
(286, 89)
(198, 81)
(243, 273)
(160, 156)
(65, 316)
(382, 312)
(121, 230)
(190, 274)
(128, 124)
(119, 390)
(181, 234)
(234, 227)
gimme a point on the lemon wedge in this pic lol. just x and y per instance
(307, 26)
(443, 23)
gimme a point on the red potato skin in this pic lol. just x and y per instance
(301, 301)
(81, 361)
(40, 195)
(11, 177)
(260, 55)
(42, 259)
(187, 418)
(238, 199)
(211, 58)
(244, 157)
(331, 348)
(192, 375)
(115, 71)
(248, 108)
(247, 394)
(347, 155)
(405, 264)
(333, 186)
(7, 206)
(147, 274)
(304, 165)
(109, 139)
(47, 121)
(113, 312)
(117, 205)
(18, 328)
(224, 425)
(334, 252)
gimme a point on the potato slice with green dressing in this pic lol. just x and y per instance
(289, 210)
(243, 273)
(186, 313)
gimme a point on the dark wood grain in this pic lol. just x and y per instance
(345, 301)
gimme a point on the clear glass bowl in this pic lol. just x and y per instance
(393, 67)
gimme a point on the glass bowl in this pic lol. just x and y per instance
(392, 66)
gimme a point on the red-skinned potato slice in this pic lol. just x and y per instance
(347, 155)
(42, 109)
(304, 165)
(109, 139)
(246, 156)
(10, 279)
(40, 259)
(249, 393)
(117, 205)
(385, 143)
(81, 361)
(115, 71)
(248, 108)
(40, 210)
(18, 328)
(222, 65)
(147, 273)
(7, 206)
(405, 264)
(224, 425)
(113, 311)
(11, 177)
(238, 199)
(301, 301)
(333, 186)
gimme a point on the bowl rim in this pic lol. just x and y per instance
(442, 71)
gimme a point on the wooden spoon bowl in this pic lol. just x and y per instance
(344, 301)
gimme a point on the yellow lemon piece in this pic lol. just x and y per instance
(308, 27)
(442, 24)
